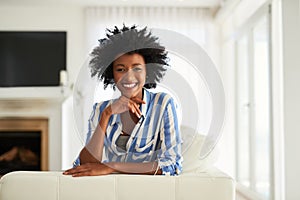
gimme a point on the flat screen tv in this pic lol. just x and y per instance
(30, 58)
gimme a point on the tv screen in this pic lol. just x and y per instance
(31, 58)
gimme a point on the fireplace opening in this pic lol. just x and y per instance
(20, 150)
(23, 144)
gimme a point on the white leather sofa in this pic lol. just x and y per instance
(199, 180)
(209, 185)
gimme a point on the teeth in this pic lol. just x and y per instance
(129, 85)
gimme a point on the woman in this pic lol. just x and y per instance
(137, 133)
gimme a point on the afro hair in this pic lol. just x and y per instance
(129, 40)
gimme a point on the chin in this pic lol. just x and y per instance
(130, 94)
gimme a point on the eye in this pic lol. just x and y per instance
(120, 69)
(137, 69)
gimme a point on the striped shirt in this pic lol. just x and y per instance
(156, 136)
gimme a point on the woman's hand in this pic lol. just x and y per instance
(98, 169)
(125, 104)
(89, 169)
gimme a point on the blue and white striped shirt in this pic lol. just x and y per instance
(156, 136)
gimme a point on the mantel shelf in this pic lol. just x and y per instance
(58, 93)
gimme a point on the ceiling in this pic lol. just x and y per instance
(84, 3)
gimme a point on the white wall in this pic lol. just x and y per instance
(52, 18)
(291, 82)
(72, 141)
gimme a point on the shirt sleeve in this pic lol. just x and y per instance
(169, 157)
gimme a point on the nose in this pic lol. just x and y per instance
(129, 76)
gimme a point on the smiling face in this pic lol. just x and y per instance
(129, 71)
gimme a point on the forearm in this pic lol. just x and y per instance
(149, 168)
(92, 152)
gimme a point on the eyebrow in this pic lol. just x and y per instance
(134, 64)
(121, 64)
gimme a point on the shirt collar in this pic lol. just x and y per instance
(143, 107)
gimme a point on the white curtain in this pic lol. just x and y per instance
(196, 23)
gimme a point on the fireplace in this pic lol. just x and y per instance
(23, 144)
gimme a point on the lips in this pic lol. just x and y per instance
(129, 85)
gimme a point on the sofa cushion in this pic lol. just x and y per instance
(191, 148)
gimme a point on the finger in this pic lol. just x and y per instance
(68, 171)
(134, 108)
(75, 170)
(137, 100)
(79, 174)
(137, 112)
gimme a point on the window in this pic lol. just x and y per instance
(254, 121)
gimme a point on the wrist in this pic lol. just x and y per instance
(108, 111)
(112, 166)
